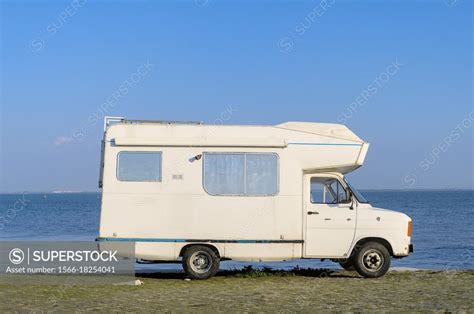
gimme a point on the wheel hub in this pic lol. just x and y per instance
(200, 262)
(373, 260)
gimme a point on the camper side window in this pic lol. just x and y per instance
(243, 174)
(139, 166)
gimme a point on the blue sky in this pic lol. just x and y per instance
(399, 73)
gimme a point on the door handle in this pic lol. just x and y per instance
(348, 219)
(327, 219)
(313, 213)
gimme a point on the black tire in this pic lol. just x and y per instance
(347, 264)
(200, 262)
(372, 260)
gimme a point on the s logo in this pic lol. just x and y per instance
(16, 256)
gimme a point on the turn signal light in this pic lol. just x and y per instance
(409, 229)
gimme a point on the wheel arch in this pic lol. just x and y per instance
(212, 247)
(363, 241)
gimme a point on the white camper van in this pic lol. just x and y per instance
(200, 194)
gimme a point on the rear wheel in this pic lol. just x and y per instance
(372, 260)
(200, 262)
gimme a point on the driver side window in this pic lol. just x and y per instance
(328, 191)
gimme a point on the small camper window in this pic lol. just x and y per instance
(243, 174)
(139, 166)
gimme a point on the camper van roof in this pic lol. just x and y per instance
(337, 131)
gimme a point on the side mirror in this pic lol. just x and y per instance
(351, 195)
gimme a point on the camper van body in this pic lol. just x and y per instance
(248, 193)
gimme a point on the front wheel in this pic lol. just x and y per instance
(372, 260)
(200, 262)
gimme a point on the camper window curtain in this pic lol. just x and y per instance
(241, 174)
(224, 174)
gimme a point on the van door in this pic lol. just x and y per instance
(330, 219)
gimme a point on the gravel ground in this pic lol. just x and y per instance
(255, 291)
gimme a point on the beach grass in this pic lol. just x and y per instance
(255, 290)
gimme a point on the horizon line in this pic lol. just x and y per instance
(359, 189)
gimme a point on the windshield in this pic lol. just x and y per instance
(357, 194)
